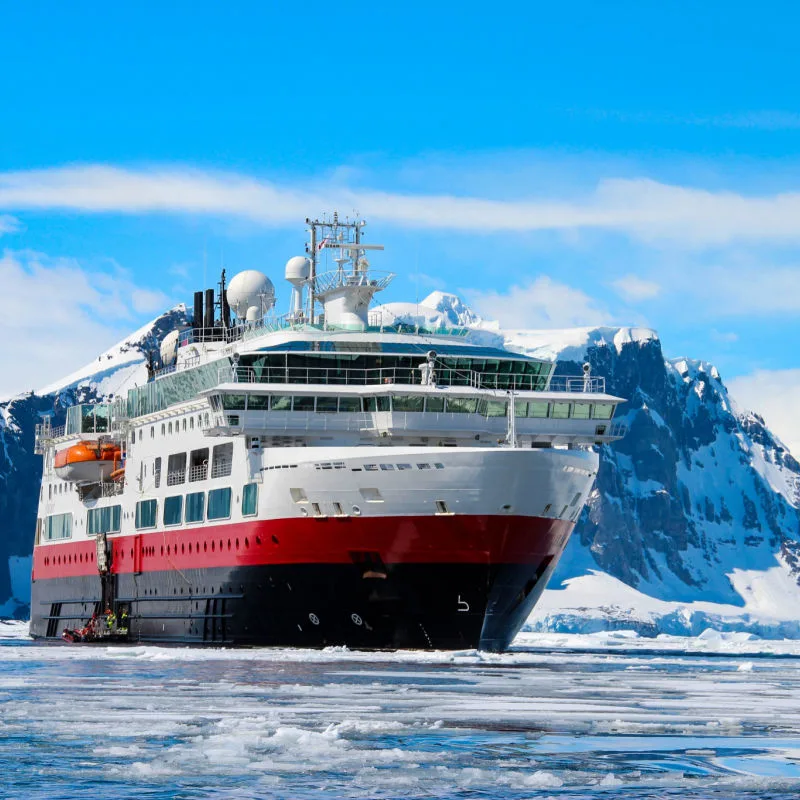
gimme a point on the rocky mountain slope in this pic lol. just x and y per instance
(696, 505)
(122, 366)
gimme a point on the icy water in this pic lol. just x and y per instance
(559, 716)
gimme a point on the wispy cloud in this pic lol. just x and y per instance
(9, 224)
(641, 209)
(633, 288)
(760, 119)
(543, 303)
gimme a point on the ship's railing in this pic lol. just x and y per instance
(111, 488)
(336, 279)
(176, 477)
(198, 472)
(410, 376)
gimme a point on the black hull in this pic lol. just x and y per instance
(362, 606)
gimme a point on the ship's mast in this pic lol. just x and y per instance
(327, 233)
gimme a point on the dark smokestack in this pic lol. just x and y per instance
(226, 309)
(208, 321)
(197, 321)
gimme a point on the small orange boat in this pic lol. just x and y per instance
(88, 461)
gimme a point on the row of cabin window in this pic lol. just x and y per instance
(412, 402)
(198, 461)
(195, 507)
(168, 428)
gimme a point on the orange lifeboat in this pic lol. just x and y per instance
(87, 461)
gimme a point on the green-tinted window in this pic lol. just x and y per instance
(233, 402)
(250, 499)
(173, 510)
(560, 411)
(580, 411)
(103, 520)
(384, 404)
(326, 405)
(434, 404)
(219, 503)
(462, 405)
(376, 404)
(520, 408)
(58, 526)
(349, 404)
(194, 506)
(303, 404)
(281, 402)
(603, 410)
(146, 514)
(408, 402)
(496, 408)
(257, 402)
(538, 408)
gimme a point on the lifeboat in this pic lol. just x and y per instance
(88, 462)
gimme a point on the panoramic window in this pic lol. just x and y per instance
(145, 514)
(173, 510)
(281, 402)
(496, 408)
(219, 503)
(538, 408)
(195, 504)
(462, 405)
(103, 520)
(249, 499)
(58, 526)
(434, 404)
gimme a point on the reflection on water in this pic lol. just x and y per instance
(151, 722)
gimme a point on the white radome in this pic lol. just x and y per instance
(249, 289)
(169, 347)
(298, 270)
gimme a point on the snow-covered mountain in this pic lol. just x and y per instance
(694, 521)
(112, 373)
(697, 504)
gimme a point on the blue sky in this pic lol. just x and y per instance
(559, 164)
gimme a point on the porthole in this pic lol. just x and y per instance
(246, 543)
(356, 511)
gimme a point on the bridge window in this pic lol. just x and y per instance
(434, 404)
(408, 402)
(580, 410)
(603, 410)
(496, 408)
(462, 405)
(560, 411)
(350, 404)
(327, 405)
(281, 402)
(173, 510)
(257, 402)
(234, 402)
(377, 404)
(538, 409)
(219, 503)
(195, 504)
(146, 514)
(303, 404)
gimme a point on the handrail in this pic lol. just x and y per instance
(409, 376)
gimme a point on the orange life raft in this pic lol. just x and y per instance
(87, 461)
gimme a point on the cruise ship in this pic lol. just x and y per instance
(324, 477)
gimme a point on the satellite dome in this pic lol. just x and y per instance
(249, 289)
(298, 270)
(169, 347)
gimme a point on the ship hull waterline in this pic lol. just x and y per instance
(437, 582)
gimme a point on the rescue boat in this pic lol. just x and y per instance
(88, 462)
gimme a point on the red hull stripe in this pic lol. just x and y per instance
(486, 539)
